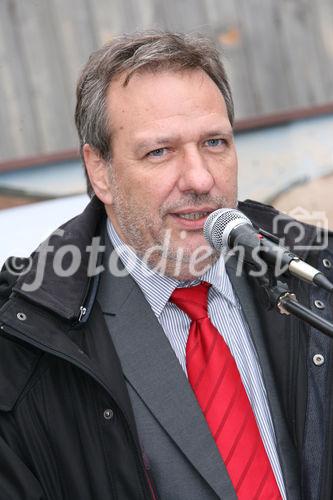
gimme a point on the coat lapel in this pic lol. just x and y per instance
(152, 369)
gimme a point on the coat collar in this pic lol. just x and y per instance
(61, 295)
(281, 226)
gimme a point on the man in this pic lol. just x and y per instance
(97, 395)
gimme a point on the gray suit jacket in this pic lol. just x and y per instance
(176, 441)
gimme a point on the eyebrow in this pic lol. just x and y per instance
(158, 141)
(227, 134)
(165, 140)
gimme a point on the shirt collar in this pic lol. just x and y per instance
(157, 288)
(218, 277)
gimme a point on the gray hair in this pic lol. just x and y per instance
(130, 53)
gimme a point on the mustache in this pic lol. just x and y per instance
(195, 200)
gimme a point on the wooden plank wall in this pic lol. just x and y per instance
(279, 55)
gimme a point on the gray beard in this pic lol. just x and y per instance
(140, 230)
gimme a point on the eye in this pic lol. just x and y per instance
(213, 143)
(156, 153)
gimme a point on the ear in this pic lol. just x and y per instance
(98, 172)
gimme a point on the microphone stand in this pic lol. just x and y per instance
(285, 302)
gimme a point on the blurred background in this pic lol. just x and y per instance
(279, 57)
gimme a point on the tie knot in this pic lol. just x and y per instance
(192, 300)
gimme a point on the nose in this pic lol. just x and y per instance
(195, 175)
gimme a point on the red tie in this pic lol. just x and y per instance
(217, 385)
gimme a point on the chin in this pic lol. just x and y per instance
(188, 269)
(181, 259)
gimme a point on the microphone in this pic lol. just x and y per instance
(227, 228)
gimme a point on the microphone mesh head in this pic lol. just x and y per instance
(220, 223)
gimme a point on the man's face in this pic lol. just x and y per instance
(173, 163)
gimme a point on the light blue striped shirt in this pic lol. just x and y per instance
(225, 313)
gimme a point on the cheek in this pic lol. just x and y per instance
(143, 197)
(226, 174)
(155, 188)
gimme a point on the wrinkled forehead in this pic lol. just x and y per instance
(153, 73)
(154, 95)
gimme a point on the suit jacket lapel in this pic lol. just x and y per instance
(151, 367)
(251, 309)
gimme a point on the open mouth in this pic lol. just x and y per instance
(192, 219)
(193, 215)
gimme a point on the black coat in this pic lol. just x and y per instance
(67, 430)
